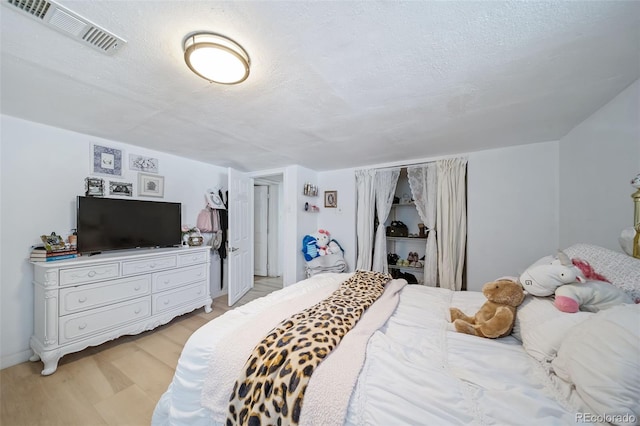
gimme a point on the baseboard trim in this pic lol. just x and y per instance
(15, 359)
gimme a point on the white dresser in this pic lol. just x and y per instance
(93, 299)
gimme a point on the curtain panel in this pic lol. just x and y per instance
(385, 188)
(364, 217)
(422, 181)
(451, 221)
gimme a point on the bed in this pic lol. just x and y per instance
(413, 368)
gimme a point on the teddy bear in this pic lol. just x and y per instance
(498, 314)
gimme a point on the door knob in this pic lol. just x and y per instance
(232, 249)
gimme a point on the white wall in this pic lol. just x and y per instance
(598, 159)
(512, 210)
(43, 170)
(297, 222)
(341, 221)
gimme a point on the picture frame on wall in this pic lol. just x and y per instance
(143, 164)
(331, 199)
(121, 188)
(150, 185)
(106, 160)
(94, 187)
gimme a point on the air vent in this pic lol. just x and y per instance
(67, 22)
(35, 8)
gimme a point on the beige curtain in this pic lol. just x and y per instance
(422, 181)
(451, 221)
(385, 188)
(364, 217)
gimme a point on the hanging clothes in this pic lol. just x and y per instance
(224, 227)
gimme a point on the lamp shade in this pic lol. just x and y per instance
(216, 58)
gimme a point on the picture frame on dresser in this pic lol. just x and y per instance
(94, 187)
(121, 188)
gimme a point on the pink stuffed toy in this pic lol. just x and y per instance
(575, 284)
(591, 295)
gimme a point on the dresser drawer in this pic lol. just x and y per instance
(77, 299)
(170, 299)
(86, 324)
(89, 274)
(193, 258)
(148, 265)
(170, 279)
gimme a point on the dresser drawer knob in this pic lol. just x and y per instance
(82, 299)
(91, 274)
(167, 281)
(166, 302)
(137, 311)
(137, 288)
(82, 326)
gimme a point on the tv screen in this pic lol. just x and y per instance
(113, 224)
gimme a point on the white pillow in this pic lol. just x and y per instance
(542, 328)
(601, 358)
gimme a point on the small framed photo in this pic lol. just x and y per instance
(120, 188)
(143, 164)
(94, 187)
(331, 199)
(150, 185)
(106, 161)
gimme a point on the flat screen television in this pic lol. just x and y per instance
(114, 224)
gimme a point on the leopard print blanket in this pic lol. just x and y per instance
(273, 381)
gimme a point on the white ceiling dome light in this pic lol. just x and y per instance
(216, 58)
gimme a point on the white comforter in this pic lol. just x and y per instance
(418, 370)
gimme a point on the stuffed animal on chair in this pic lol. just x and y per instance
(498, 314)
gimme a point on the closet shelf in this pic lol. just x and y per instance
(422, 239)
(406, 267)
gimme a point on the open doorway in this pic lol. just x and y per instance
(268, 232)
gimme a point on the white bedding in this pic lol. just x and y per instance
(417, 370)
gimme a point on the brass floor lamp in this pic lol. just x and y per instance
(636, 219)
(636, 216)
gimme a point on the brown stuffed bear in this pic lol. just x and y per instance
(498, 314)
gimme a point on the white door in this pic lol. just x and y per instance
(260, 234)
(240, 239)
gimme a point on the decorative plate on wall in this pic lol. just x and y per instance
(214, 201)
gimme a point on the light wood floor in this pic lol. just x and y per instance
(117, 383)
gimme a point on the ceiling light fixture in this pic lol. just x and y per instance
(216, 58)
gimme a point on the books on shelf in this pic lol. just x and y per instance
(40, 254)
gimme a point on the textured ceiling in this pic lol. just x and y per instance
(332, 84)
